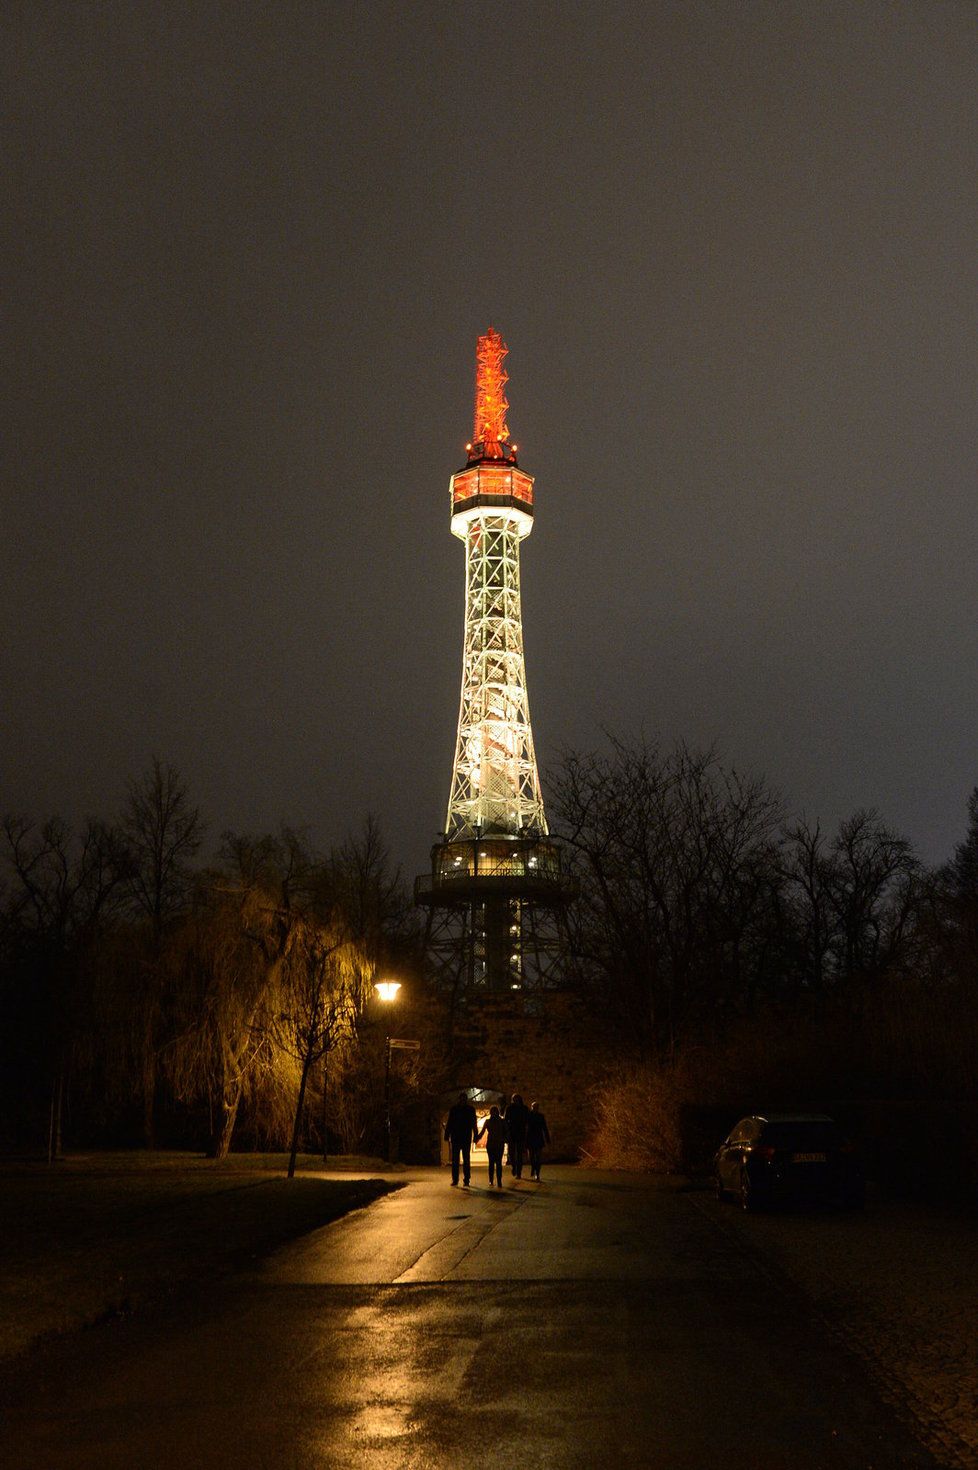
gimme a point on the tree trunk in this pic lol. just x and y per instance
(221, 1140)
(149, 1100)
(300, 1104)
(148, 1058)
(325, 1081)
(54, 1122)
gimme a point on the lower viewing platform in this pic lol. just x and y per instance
(469, 868)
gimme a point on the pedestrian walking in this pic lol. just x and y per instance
(516, 1116)
(460, 1131)
(537, 1138)
(494, 1130)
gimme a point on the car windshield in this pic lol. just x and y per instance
(800, 1135)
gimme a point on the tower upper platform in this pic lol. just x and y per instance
(493, 485)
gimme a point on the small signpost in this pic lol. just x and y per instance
(394, 1043)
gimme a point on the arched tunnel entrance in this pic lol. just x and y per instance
(482, 1099)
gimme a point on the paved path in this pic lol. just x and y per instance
(591, 1321)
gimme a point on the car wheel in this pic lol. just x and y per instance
(719, 1191)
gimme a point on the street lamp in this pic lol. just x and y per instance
(387, 991)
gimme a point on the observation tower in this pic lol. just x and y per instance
(495, 892)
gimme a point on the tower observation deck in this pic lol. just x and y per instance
(495, 891)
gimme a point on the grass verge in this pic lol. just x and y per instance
(102, 1235)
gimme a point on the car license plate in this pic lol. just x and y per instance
(808, 1158)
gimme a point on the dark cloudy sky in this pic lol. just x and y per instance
(247, 249)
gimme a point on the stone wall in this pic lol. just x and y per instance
(541, 1046)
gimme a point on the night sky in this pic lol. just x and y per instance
(247, 250)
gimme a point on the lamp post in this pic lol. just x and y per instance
(387, 991)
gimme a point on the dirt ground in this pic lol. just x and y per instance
(898, 1283)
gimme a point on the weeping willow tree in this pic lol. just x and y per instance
(322, 990)
(271, 979)
(227, 957)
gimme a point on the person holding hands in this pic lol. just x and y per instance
(494, 1130)
(459, 1132)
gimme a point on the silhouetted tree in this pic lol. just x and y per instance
(807, 870)
(950, 911)
(677, 860)
(378, 913)
(872, 885)
(64, 890)
(164, 832)
(853, 902)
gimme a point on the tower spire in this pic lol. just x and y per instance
(491, 430)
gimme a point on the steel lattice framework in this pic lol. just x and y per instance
(495, 786)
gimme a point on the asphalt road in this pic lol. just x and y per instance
(591, 1321)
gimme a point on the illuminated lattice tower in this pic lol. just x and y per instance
(495, 892)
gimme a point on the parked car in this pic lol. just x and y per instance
(789, 1158)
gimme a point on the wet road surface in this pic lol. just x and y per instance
(591, 1321)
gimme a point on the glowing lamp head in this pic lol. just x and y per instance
(387, 989)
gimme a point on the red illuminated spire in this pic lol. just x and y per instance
(491, 377)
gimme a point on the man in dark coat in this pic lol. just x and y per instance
(516, 1116)
(460, 1131)
(537, 1138)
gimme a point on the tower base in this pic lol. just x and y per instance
(495, 914)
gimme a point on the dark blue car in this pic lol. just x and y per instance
(791, 1159)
